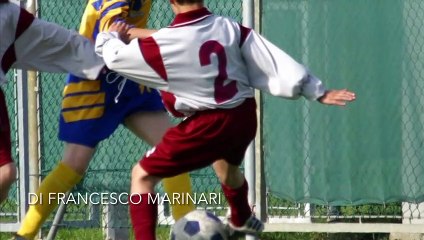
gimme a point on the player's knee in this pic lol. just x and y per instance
(232, 181)
(229, 175)
(77, 157)
(7, 174)
(138, 174)
(7, 178)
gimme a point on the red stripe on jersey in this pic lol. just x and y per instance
(244, 32)
(169, 102)
(8, 59)
(24, 21)
(151, 53)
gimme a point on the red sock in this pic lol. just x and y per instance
(239, 205)
(143, 216)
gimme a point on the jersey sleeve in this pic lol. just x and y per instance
(272, 70)
(49, 47)
(131, 61)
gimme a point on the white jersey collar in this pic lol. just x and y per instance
(191, 17)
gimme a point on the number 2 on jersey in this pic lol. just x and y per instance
(222, 92)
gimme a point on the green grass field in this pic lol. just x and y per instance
(163, 234)
(77, 213)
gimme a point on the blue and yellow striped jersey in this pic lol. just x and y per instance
(100, 14)
(86, 99)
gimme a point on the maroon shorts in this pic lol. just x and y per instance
(203, 138)
(5, 144)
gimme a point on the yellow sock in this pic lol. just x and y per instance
(179, 184)
(60, 180)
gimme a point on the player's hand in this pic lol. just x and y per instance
(337, 97)
(122, 29)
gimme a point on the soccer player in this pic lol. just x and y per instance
(92, 110)
(206, 67)
(29, 43)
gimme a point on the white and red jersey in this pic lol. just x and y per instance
(203, 61)
(30, 43)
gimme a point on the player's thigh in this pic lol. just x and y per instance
(149, 126)
(78, 156)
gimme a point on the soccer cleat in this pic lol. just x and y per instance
(227, 217)
(252, 226)
(17, 237)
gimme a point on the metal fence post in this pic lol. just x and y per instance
(32, 91)
(261, 197)
(22, 98)
(249, 164)
(57, 219)
(115, 218)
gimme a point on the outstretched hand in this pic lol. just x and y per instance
(337, 97)
(122, 29)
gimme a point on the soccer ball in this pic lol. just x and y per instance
(199, 225)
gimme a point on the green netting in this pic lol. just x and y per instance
(370, 151)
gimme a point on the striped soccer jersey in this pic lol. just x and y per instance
(203, 61)
(87, 99)
(100, 14)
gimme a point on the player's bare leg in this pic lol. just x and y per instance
(7, 178)
(151, 126)
(143, 213)
(228, 174)
(141, 181)
(77, 157)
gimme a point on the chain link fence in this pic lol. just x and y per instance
(362, 164)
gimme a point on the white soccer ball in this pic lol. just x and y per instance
(199, 225)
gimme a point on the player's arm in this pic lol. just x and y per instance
(117, 11)
(272, 70)
(140, 33)
(132, 33)
(49, 47)
(129, 60)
